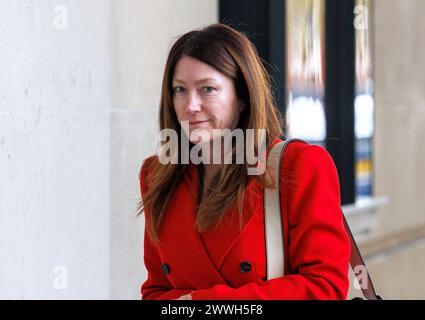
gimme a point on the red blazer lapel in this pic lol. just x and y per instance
(198, 258)
(220, 240)
(185, 253)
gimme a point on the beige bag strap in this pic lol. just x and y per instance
(273, 228)
(273, 225)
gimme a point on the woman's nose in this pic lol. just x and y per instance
(193, 103)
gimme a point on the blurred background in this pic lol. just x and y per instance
(79, 94)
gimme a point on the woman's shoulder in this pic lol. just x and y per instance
(146, 167)
(147, 164)
(300, 156)
(301, 150)
(304, 159)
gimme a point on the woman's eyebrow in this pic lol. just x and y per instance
(198, 81)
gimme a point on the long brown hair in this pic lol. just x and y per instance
(230, 52)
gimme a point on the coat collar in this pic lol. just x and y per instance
(196, 257)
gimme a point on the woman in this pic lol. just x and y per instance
(204, 230)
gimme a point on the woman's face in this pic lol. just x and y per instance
(205, 98)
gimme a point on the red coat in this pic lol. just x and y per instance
(229, 264)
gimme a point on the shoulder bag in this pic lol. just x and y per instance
(274, 229)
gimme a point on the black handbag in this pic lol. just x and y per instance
(274, 230)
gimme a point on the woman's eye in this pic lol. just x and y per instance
(178, 89)
(208, 89)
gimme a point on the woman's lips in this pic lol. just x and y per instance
(197, 122)
(193, 122)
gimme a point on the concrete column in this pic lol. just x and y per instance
(55, 149)
(79, 93)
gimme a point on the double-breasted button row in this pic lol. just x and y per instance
(244, 267)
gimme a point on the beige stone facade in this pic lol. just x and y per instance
(395, 249)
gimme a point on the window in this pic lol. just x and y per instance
(305, 59)
(364, 98)
(318, 53)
